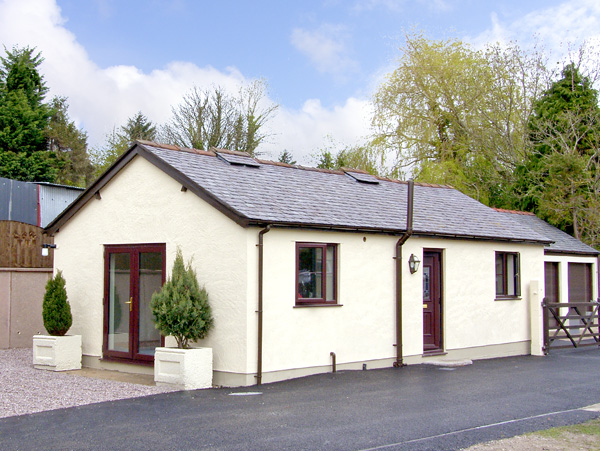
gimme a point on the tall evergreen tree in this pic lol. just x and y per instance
(24, 118)
(560, 178)
(138, 127)
(70, 145)
(286, 157)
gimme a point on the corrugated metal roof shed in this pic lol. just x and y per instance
(18, 201)
(34, 203)
(53, 199)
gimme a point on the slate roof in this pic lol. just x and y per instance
(563, 243)
(257, 192)
(291, 195)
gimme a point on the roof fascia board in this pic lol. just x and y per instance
(323, 227)
(481, 238)
(336, 228)
(574, 253)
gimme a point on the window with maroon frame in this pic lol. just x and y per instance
(508, 280)
(316, 273)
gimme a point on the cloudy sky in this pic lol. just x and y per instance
(322, 60)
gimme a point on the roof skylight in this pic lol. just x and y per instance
(238, 160)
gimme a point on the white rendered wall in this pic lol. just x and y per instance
(471, 315)
(144, 205)
(363, 328)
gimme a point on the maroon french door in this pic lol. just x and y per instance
(432, 301)
(132, 273)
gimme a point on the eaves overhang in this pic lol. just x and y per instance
(482, 238)
(389, 231)
(567, 252)
(323, 226)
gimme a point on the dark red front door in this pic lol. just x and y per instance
(432, 301)
(132, 274)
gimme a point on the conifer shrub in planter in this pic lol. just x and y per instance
(181, 310)
(57, 351)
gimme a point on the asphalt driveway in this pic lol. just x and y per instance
(416, 407)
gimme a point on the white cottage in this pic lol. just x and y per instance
(305, 268)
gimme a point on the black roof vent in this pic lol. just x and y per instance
(238, 159)
(362, 177)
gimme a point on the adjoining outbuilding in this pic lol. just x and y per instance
(305, 268)
(25, 208)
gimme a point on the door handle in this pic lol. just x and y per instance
(130, 302)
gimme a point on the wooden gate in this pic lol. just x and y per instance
(571, 324)
(21, 246)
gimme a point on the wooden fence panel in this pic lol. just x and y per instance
(21, 246)
(575, 324)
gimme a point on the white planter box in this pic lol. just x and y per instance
(188, 369)
(57, 353)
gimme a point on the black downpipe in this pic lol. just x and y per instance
(260, 305)
(409, 230)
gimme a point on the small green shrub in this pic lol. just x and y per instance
(56, 310)
(181, 308)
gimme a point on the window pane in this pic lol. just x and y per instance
(510, 274)
(150, 282)
(330, 271)
(310, 272)
(118, 298)
(499, 274)
(426, 283)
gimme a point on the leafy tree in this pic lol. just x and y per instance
(348, 157)
(456, 115)
(214, 118)
(560, 178)
(286, 157)
(181, 308)
(56, 311)
(24, 118)
(70, 145)
(104, 156)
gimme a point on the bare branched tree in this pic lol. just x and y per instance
(215, 118)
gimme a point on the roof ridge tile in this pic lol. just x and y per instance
(514, 212)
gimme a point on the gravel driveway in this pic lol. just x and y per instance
(24, 390)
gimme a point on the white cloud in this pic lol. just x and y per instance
(558, 27)
(304, 131)
(103, 98)
(326, 47)
(100, 98)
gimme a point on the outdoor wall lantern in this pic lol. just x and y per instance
(413, 263)
(45, 248)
